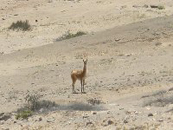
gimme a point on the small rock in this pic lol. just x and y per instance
(117, 40)
(40, 119)
(145, 6)
(150, 114)
(85, 116)
(5, 129)
(128, 112)
(153, 6)
(136, 112)
(125, 121)
(1, 122)
(171, 89)
(148, 108)
(108, 112)
(136, 6)
(160, 120)
(41, 110)
(121, 108)
(1, 114)
(110, 122)
(50, 120)
(89, 123)
(94, 113)
(169, 118)
(158, 43)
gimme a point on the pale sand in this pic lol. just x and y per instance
(128, 57)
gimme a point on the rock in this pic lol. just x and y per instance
(110, 122)
(1, 122)
(117, 40)
(158, 43)
(40, 119)
(50, 120)
(108, 112)
(169, 118)
(153, 6)
(86, 116)
(136, 6)
(171, 89)
(148, 108)
(41, 110)
(125, 121)
(94, 113)
(16, 14)
(1, 114)
(160, 120)
(5, 129)
(89, 123)
(150, 114)
(137, 113)
(121, 108)
(128, 112)
(145, 6)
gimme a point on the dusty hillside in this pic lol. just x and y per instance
(52, 18)
(130, 72)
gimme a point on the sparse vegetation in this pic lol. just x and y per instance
(161, 7)
(21, 25)
(24, 114)
(34, 104)
(69, 35)
(32, 101)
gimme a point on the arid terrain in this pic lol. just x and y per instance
(129, 84)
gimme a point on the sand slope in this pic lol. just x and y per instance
(130, 65)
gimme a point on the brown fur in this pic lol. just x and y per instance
(79, 75)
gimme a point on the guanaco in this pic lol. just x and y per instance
(79, 75)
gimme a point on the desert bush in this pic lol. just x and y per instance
(161, 7)
(23, 114)
(20, 25)
(69, 35)
(35, 104)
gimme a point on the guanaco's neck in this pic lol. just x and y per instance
(84, 69)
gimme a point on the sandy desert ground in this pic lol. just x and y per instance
(130, 64)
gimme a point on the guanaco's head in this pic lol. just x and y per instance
(85, 61)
